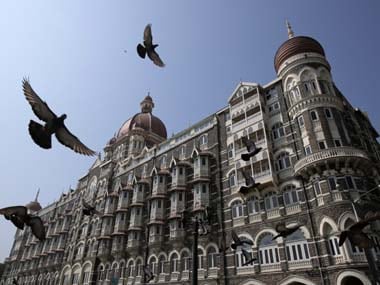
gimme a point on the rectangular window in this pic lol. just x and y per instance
(203, 188)
(322, 145)
(179, 196)
(313, 115)
(180, 171)
(328, 113)
(337, 143)
(350, 183)
(308, 150)
(317, 188)
(301, 122)
(332, 184)
(161, 179)
(159, 204)
(203, 159)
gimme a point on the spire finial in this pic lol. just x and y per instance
(38, 193)
(290, 31)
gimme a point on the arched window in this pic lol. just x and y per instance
(297, 247)
(100, 273)
(185, 261)
(290, 195)
(174, 263)
(278, 131)
(138, 267)
(130, 268)
(283, 161)
(332, 240)
(153, 265)
(240, 259)
(230, 150)
(161, 264)
(237, 209)
(200, 258)
(270, 200)
(268, 251)
(211, 257)
(232, 179)
(253, 205)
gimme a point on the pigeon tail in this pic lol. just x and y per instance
(276, 237)
(39, 135)
(141, 51)
(245, 156)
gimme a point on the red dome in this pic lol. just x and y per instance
(146, 121)
(296, 45)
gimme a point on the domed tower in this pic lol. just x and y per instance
(34, 206)
(317, 108)
(143, 129)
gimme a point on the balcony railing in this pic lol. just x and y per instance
(328, 154)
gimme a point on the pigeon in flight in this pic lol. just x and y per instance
(251, 148)
(238, 242)
(249, 183)
(89, 210)
(149, 48)
(148, 274)
(248, 257)
(355, 233)
(40, 134)
(20, 217)
(15, 281)
(284, 231)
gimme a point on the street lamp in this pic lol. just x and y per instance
(197, 221)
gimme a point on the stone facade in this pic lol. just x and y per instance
(319, 154)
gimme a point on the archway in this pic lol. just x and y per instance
(351, 280)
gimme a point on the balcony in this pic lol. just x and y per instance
(254, 218)
(273, 213)
(292, 209)
(332, 154)
(270, 267)
(299, 264)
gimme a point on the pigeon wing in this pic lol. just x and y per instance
(19, 211)
(235, 237)
(248, 178)
(86, 205)
(156, 58)
(148, 39)
(342, 238)
(39, 107)
(246, 254)
(359, 226)
(361, 240)
(68, 139)
(250, 145)
(37, 227)
(280, 227)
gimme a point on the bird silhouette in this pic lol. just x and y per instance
(248, 257)
(40, 134)
(238, 242)
(89, 210)
(284, 231)
(15, 281)
(251, 148)
(250, 183)
(149, 48)
(148, 274)
(19, 216)
(355, 232)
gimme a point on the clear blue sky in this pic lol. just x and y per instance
(73, 52)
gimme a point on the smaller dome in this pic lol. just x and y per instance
(294, 46)
(111, 141)
(33, 206)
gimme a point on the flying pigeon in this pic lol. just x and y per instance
(284, 231)
(40, 134)
(15, 281)
(248, 257)
(19, 217)
(251, 148)
(249, 183)
(16, 214)
(149, 48)
(238, 242)
(89, 210)
(148, 274)
(355, 232)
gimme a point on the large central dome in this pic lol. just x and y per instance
(144, 120)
